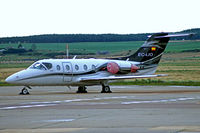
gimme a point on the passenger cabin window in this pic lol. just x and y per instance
(67, 67)
(93, 67)
(85, 67)
(76, 67)
(38, 66)
(48, 65)
(58, 67)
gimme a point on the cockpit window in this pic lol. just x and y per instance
(48, 65)
(38, 66)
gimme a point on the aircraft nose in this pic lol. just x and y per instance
(12, 78)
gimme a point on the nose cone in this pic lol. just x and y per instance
(12, 79)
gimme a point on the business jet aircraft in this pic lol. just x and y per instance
(85, 72)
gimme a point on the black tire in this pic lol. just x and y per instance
(24, 92)
(82, 89)
(106, 89)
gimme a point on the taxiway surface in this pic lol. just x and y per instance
(129, 109)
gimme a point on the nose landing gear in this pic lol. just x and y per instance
(24, 91)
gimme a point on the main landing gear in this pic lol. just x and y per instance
(24, 91)
(81, 89)
(106, 89)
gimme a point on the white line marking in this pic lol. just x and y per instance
(95, 104)
(59, 120)
(52, 103)
(162, 100)
(27, 106)
(37, 103)
(79, 100)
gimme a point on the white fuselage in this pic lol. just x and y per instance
(69, 72)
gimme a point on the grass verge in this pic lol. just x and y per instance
(145, 82)
(157, 82)
(2, 83)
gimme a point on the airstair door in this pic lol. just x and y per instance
(67, 71)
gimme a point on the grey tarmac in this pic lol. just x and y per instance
(129, 109)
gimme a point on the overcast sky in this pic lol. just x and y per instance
(31, 17)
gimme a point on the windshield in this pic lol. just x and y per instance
(38, 66)
(48, 65)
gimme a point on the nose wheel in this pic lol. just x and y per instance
(82, 89)
(25, 91)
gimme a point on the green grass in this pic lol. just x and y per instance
(85, 47)
(146, 82)
(182, 46)
(157, 82)
(15, 65)
(180, 63)
(6, 84)
(93, 47)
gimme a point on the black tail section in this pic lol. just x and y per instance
(151, 51)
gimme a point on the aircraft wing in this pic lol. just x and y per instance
(119, 77)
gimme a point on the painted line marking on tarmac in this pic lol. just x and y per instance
(26, 106)
(80, 100)
(52, 103)
(59, 120)
(162, 100)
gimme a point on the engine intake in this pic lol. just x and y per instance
(115, 68)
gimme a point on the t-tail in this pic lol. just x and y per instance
(152, 49)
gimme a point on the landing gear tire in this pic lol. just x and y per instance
(81, 89)
(106, 89)
(24, 91)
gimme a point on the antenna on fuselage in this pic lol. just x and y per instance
(74, 57)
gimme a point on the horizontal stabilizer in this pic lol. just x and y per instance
(175, 35)
(120, 77)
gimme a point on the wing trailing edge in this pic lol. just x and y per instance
(120, 77)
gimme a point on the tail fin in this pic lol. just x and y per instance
(152, 49)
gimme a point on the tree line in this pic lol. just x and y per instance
(69, 38)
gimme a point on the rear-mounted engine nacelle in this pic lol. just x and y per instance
(115, 68)
(134, 68)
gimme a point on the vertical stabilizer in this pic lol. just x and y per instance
(152, 49)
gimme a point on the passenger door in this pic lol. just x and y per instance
(67, 71)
